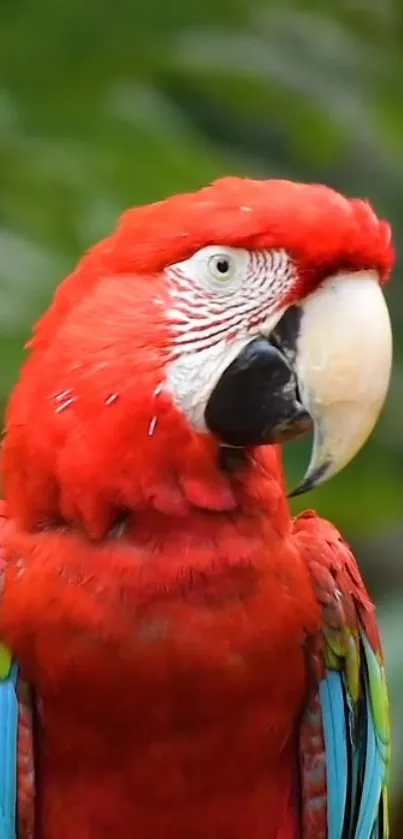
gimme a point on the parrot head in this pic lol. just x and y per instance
(207, 325)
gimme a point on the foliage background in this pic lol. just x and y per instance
(105, 105)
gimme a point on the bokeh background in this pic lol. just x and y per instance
(108, 104)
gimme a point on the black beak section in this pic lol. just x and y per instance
(256, 400)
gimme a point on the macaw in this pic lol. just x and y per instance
(181, 658)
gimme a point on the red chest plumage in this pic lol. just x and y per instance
(168, 693)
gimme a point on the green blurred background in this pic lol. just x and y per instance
(108, 104)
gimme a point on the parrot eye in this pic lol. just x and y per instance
(218, 269)
(222, 268)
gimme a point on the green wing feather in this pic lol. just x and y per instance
(5, 662)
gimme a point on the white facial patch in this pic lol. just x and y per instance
(221, 298)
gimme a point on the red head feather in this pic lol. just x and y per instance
(78, 443)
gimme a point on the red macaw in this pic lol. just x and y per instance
(192, 661)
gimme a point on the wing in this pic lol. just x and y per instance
(345, 733)
(16, 740)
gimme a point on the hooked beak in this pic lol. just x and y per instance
(326, 366)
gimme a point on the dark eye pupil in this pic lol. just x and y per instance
(222, 266)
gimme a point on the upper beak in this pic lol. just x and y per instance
(326, 365)
(343, 364)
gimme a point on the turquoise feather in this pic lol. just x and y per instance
(335, 734)
(357, 745)
(8, 754)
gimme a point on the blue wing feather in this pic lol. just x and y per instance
(8, 754)
(356, 753)
(372, 784)
(335, 735)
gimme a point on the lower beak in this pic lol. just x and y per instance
(326, 367)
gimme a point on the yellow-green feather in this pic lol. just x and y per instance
(5, 662)
(379, 700)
